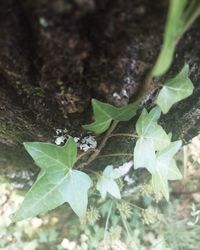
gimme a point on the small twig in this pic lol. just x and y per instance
(133, 205)
(92, 171)
(125, 225)
(124, 134)
(85, 153)
(102, 144)
(185, 161)
(113, 155)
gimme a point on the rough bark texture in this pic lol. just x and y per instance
(57, 55)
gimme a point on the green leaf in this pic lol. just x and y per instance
(175, 90)
(147, 120)
(144, 155)
(148, 128)
(160, 185)
(166, 169)
(76, 192)
(164, 157)
(57, 183)
(152, 138)
(98, 126)
(173, 172)
(48, 155)
(106, 183)
(104, 113)
(173, 30)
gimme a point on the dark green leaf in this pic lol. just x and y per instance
(104, 113)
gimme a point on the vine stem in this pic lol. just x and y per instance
(133, 205)
(113, 155)
(124, 134)
(85, 153)
(125, 225)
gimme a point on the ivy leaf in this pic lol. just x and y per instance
(146, 120)
(106, 183)
(175, 90)
(166, 169)
(148, 128)
(173, 172)
(57, 183)
(160, 185)
(48, 155)
(154, 151)
(164, 157)
(152, 138)
(173, 30)
(104, 113)
(144, 155)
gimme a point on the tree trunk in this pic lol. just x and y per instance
(57, 55)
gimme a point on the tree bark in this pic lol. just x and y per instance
(57, 55)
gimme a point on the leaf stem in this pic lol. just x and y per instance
(102, 144)
(133, 205)
(107, 224)
(125, 135)
(125, 225)
(191, 19)
(113, 155)
(85, 153)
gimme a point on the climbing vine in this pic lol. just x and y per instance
(59, 181)
(67, 174)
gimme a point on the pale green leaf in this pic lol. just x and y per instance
(104, 113)
(144, 155)
(52, 190)
(148, 128)
(173, 171)
(76, 190)
(166, 169)
(175, 90)
(106, 183)
(152, 138)
(160, 185)
(155, 151)
(170, 136)
(147, 120)
(57, 182)
(174, 28)
(164, 157)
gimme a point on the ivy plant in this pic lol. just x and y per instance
(175, 90)
(105, 113)
(59, 181)
(107, 184)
